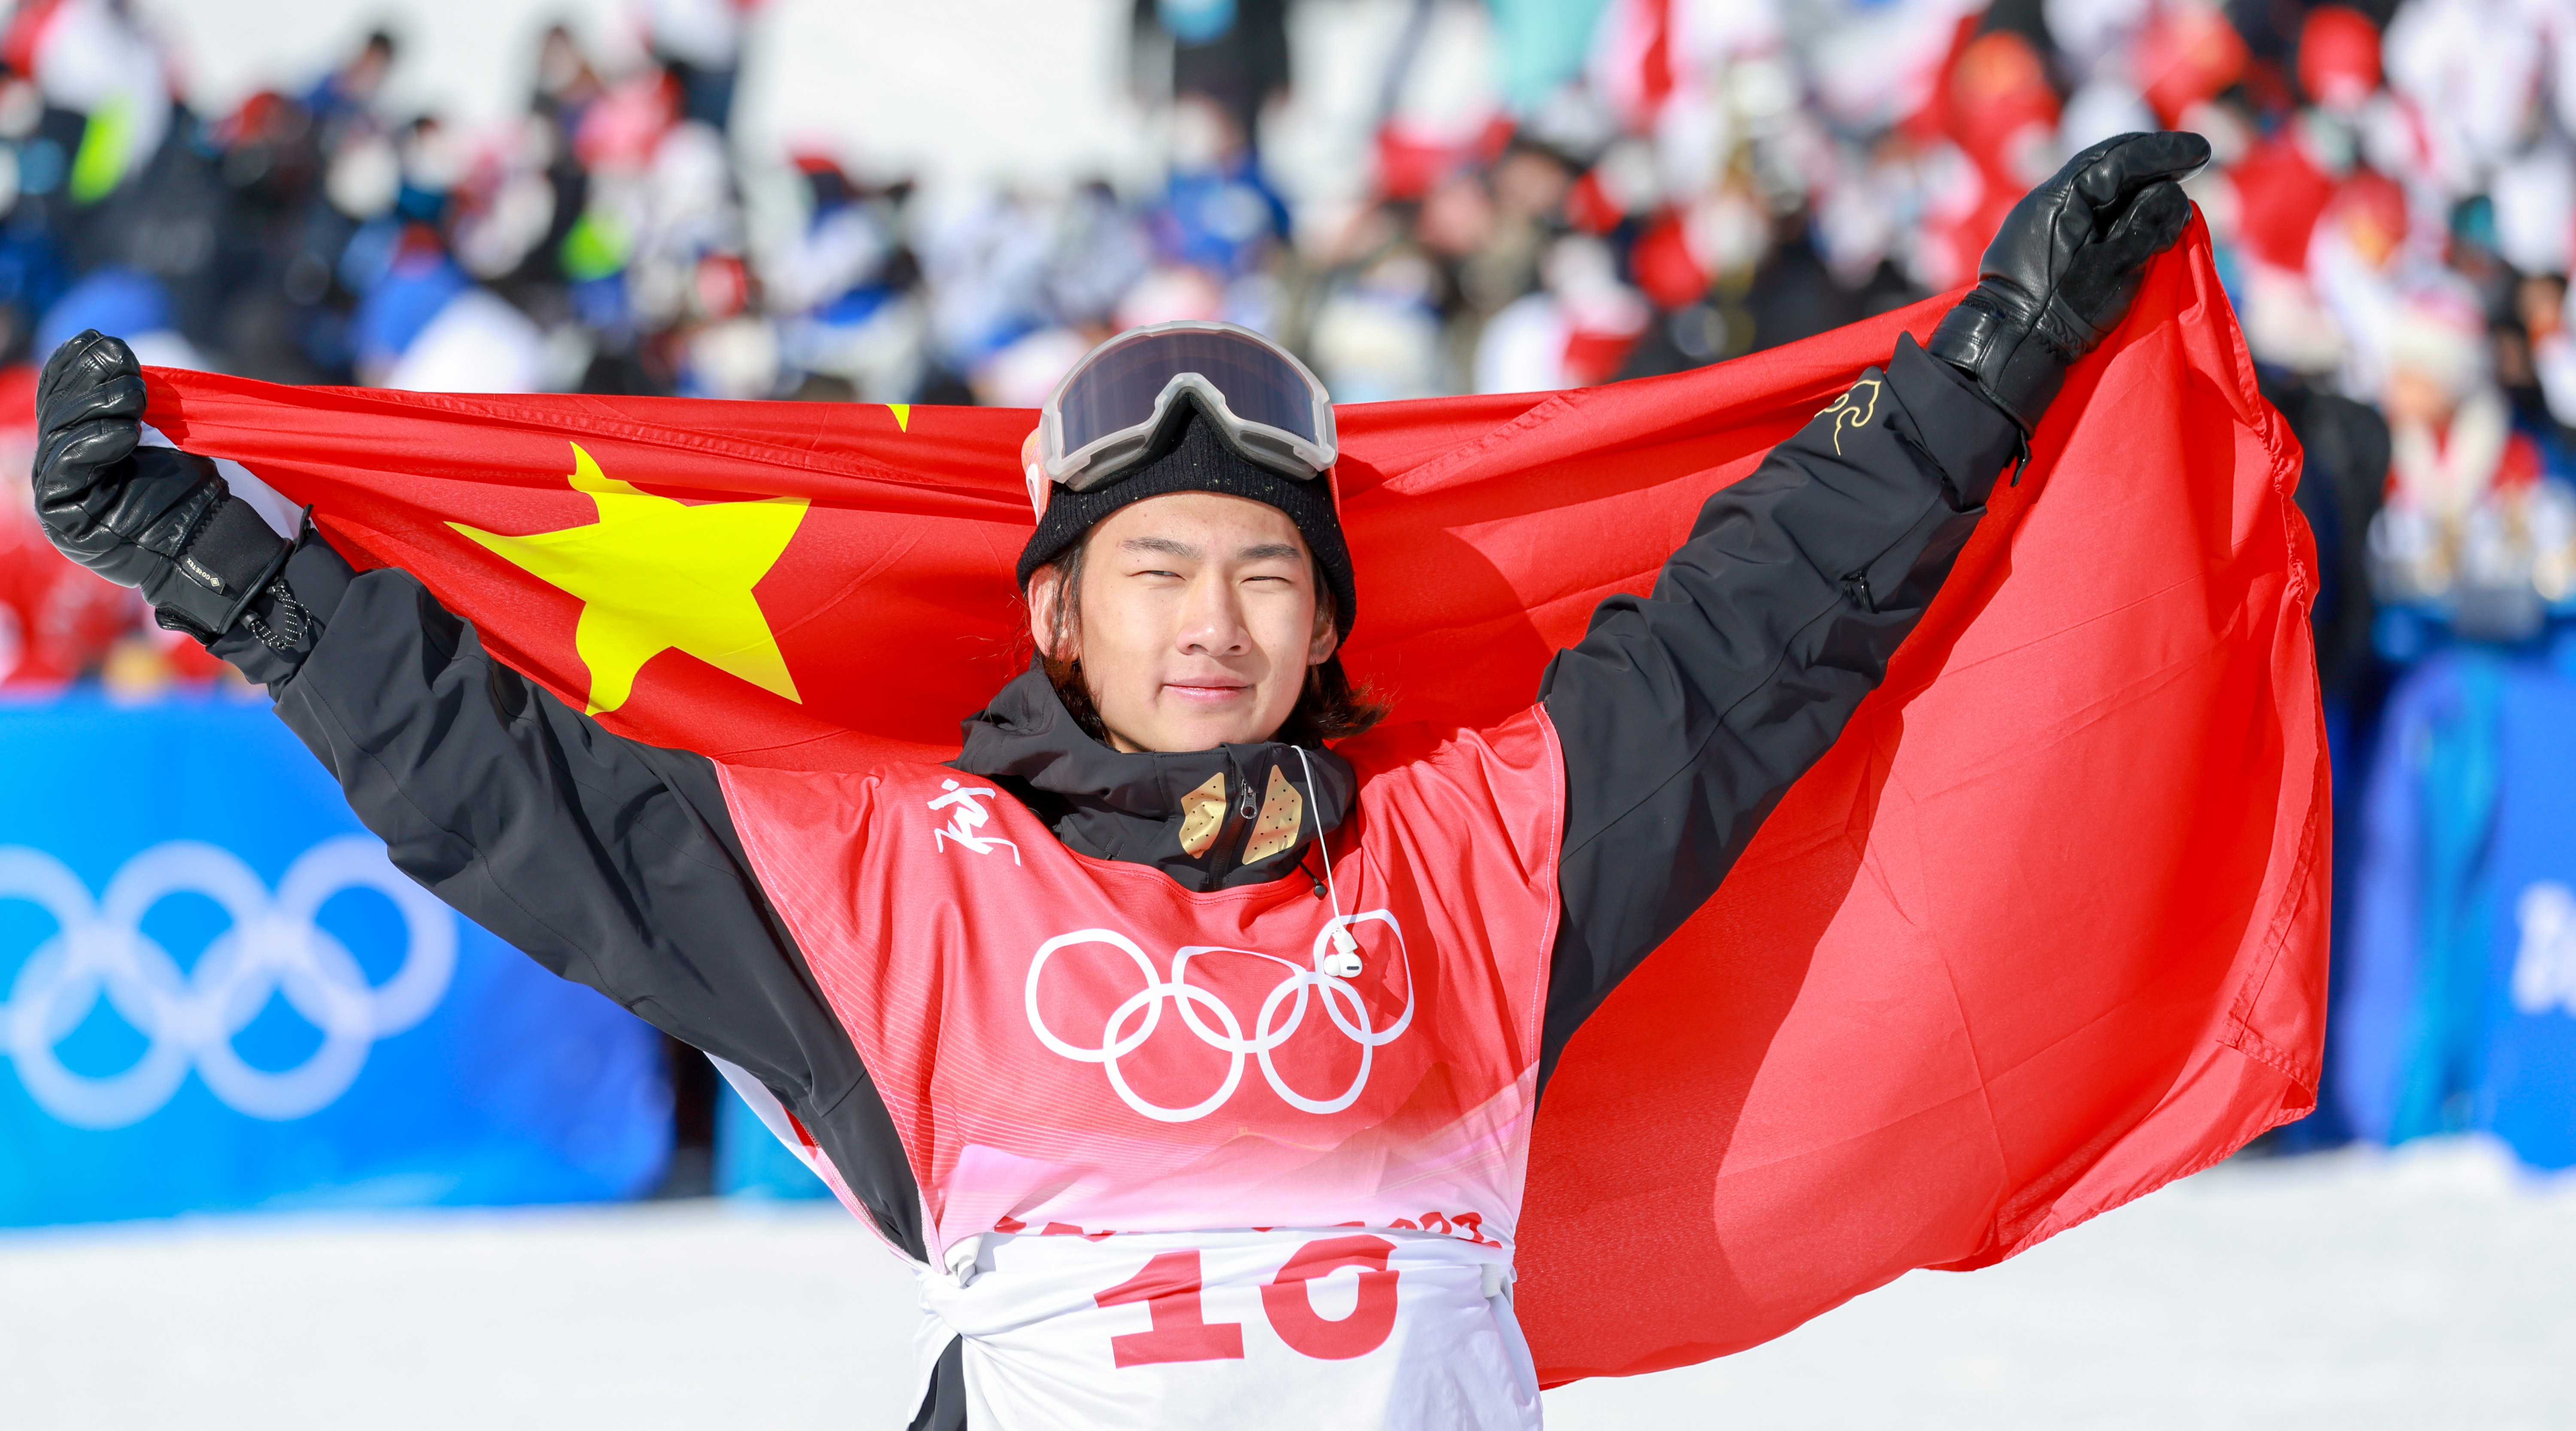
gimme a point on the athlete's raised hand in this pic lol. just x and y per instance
(2062, 269)
(149, 517)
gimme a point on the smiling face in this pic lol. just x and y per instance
(1198, 621)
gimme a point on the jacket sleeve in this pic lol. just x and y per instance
(611, 862)
(1685, 716)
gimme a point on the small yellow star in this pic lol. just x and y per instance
(656, 575)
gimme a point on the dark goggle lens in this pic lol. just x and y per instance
(1118, 389)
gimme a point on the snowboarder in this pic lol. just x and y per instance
(1184, 1032)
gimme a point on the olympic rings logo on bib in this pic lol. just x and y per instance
(190, 1019)
(1134, 1021)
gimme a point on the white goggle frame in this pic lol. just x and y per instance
(1103, 460)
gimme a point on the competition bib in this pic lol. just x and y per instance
(1116, 1094)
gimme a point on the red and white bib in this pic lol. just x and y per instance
(1102, 1078)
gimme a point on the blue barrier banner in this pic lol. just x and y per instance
(2400, 1029)
(2529, 1097)
(751, 1162)
(217, 993)
(2459, 1001)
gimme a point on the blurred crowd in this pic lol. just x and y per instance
(1553, 193)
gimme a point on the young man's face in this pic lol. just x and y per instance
(1198, 621)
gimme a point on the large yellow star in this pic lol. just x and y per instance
(656, 575)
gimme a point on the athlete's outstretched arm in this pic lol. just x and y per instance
(612, 862)
(1686, 715)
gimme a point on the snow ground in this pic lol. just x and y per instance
(2432, 1289)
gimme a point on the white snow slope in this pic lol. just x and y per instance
(2433, 1289)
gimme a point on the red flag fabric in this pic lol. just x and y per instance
(2043, 932)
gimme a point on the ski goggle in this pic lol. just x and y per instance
(1107, 413)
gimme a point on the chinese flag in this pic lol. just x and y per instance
(2044, 931)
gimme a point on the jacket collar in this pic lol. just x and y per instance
(1200, 816)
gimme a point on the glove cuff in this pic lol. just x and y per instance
(2010, 364)
(230, 558)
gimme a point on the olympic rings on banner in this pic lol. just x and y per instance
(1134, 1021)
(273, 948)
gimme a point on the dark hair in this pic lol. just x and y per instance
(1329, 708)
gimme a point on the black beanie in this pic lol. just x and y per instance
(1195, 458)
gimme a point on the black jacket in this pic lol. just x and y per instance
(1683, 716)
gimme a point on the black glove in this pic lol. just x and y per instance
(2062, 269)
(148, 517)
